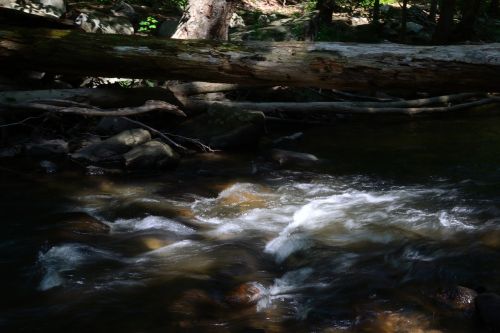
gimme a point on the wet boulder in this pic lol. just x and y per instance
(110, 151)
(226, 127)
(286, 158)
(47, 148)
(488, 310)
(151, 155)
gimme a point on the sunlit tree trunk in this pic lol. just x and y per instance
(205, 19)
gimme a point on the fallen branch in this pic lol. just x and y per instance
(160, 134)
(89, 110)
(197, 88)
(21, 122)
(106, 98)
(398, 107)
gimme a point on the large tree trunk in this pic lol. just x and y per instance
(493, 10)
(376, 13)
(345, 66)
(433, 10)
(470, 12)
(205, 19)
(444, 27)
(326, 9)
(404, 19)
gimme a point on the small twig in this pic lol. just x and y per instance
(194, 141)
(160, 134)
(22, 121)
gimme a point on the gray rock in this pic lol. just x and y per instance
(10, 152)
(414, 28)
(124, 9)
(113, 125)
(236, 21)
(225, 127)
(49, 8)
(168, 27)
(292, 158)
(109, 151)
(57, 5)
(106, 25)
(488, 309)
(47, 148)
(287, 141)
(151, 155)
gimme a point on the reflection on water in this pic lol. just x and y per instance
(324, 250)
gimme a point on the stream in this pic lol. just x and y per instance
(361, 242)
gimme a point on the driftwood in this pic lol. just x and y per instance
(101, 97)
(369, 67)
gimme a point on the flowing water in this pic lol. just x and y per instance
(360, 243)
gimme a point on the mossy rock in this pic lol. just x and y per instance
(226, 127)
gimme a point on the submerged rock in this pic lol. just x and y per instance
(151, 155)
(48, 166)
(394, 322)
(246, 294)
(457, 298)
(226, 127)
(488, 309)
(109, 151)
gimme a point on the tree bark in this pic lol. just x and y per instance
(326, 9)
(404, 15)
(433, 10)
(470, 12)
(344, 66)
(444, 27)
(493, 10)
(205, 19)
(376, 13)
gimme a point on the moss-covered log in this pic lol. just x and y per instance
(325, 65)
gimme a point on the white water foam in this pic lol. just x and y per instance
(151, 223)
(65, 258)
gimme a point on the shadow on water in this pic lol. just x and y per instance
(360, 243)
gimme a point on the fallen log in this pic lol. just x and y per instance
(384, 67)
